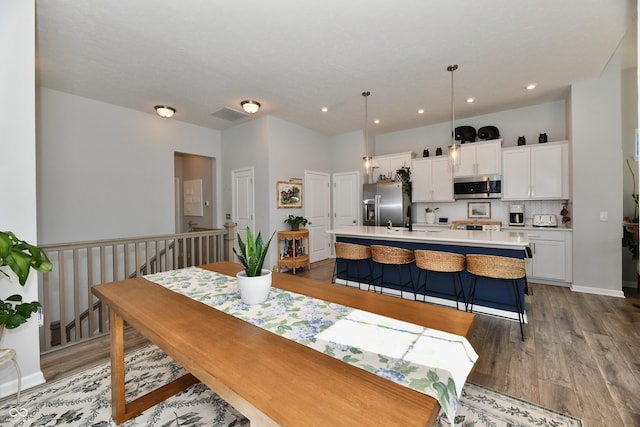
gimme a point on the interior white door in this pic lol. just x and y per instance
(347, 203)
(317, 211)
(242, 211)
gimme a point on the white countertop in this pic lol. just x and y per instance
(487, 239)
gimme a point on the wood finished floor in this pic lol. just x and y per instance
(581, 355)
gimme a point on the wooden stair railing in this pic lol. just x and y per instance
(78, 266)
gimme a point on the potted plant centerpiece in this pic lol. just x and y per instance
(295, 221)
(20, 257)
(254, 282)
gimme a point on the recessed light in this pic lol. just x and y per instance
(470, 100)
(250, 107)
(421, 111)
(530, 86)
(325, 109)
(165, 111)
(376, 121)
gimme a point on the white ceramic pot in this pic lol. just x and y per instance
(254, 290)
(430, 217)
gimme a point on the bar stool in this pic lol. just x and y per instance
(498, 267)
(441, 262)
(388, 256)
(9, 355)
(352, 254)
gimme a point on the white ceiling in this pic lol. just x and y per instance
(296, 57)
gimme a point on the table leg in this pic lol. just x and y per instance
(122, 411)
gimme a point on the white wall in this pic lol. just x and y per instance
(347, 151)
(18, 194)
(246, 145)
(597, 182)
(528, 122)
(278, 150)
(106, 171)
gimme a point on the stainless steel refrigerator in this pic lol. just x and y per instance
(383, 202)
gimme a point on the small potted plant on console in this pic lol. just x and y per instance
(295, 221)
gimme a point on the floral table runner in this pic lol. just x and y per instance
(432, 362)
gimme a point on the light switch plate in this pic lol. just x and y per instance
(604, 216)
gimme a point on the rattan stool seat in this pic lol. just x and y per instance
(391, 255)
(499, 267)
(444, 262)
(353, 257)
(496, 267)
(352, 251)
(441, 262)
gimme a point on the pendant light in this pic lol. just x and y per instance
(367, 159)
(454, 149)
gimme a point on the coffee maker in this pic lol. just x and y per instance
(516, 214)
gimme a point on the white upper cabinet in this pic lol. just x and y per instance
(537, 172)
(432, 180)
(388, 164)
(480, 158)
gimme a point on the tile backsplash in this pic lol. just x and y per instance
(499, 210)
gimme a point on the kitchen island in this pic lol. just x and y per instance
(492, 296)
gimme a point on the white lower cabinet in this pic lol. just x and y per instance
(431, 180)
(551, 257)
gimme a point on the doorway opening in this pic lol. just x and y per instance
(194, 188)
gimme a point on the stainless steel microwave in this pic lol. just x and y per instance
(477, 187)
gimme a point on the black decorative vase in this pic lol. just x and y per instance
(542, 138)
(438, 151)
(522, 140)
(425, 153)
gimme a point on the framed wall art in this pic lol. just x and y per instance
(479, 210)
(289, 194)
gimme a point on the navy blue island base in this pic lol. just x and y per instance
(492, 296)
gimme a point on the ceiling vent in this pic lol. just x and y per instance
(229, 114)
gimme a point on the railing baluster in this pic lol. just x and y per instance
(118, 259)
(90, 297)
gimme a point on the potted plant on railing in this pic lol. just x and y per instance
(254, 282)
(296, 221)
(20, 257)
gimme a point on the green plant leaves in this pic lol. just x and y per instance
(13, 312)
(21, 256)
(252, 253)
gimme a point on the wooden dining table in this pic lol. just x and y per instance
(272, 380)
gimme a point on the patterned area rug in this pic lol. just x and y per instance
(84, 399)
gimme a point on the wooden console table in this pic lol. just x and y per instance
(273, 381)
(293, 259)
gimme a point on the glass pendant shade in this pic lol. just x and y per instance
(368, 163)
(454, 149)
(454, 155)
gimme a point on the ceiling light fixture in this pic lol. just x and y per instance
(325, 109)
(421, 111)
(470, 100)
(530, 86)
(165, 111)
(367, 159)
(454, 149)
(250, 107)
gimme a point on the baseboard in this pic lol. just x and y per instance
(11, 387)
(598, 291)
